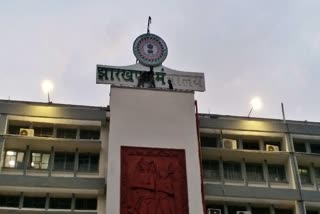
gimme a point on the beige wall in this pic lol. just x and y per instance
(167, 120)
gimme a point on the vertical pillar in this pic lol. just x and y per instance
(225, 207)
(26, 160)
(240, 143)
(3, 123)
(21, 200)
(51, 161)
(261, 144)
(266, 172)
(308, 147)
(272, 211)
(221, 170)
(3, 127)
(313, 176)
(78, 133)
(244, 172)
(54, 134)
(300, 207)
(73, 202)
(47, 201)
(2, 152)
(220, 139)
(76, 163)
(248, 207)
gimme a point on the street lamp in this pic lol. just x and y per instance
(256, 104)
(47, 87)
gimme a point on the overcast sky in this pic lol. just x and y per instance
(247, 48)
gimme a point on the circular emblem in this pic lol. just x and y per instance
(150, 49)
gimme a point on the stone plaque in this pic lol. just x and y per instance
(153, 181)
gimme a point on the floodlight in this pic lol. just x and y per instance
(47, 87)
(256, 104)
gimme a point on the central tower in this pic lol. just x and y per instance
(153, 160)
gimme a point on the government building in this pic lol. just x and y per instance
(54, 160)
(151, 152)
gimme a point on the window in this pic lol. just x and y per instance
(15, 129)
(315, 148)
(211, 169)
(250, 144)
(299, 147)
(43, 131)
(234, 209)
(66, 133)
(34, 202)
(277, 173)
(63, 161)
(88, 162)
(232, 171)
(207, 141)
(86, 204)
(39, 160)
(14, 159)
(260, 210)
(304, 173)
(283, 211)
(254, 172)
(9, 201)
(90, 134)
(60, 203)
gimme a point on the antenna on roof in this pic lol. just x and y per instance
(283, 114)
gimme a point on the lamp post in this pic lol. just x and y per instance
(256, 104)
(47, 87)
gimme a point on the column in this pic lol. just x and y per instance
(76, 163)
(300, 208)
(244, 172)
(266, 172)
(221, 170)
(3, 123)
(26, 160)
(51, 161)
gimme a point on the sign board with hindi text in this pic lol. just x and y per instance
(163, 77)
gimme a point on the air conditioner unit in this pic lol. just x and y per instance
(272, 148)
(213, 211)
(26, 132)
(243, 212)
(229, 144)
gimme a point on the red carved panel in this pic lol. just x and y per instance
(153, 181)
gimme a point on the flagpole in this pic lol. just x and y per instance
(149, 22)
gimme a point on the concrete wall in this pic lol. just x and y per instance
(167, 120)
(52, 110)
(51, 182)
(251, 192)
(258, 124)
(3, 123)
